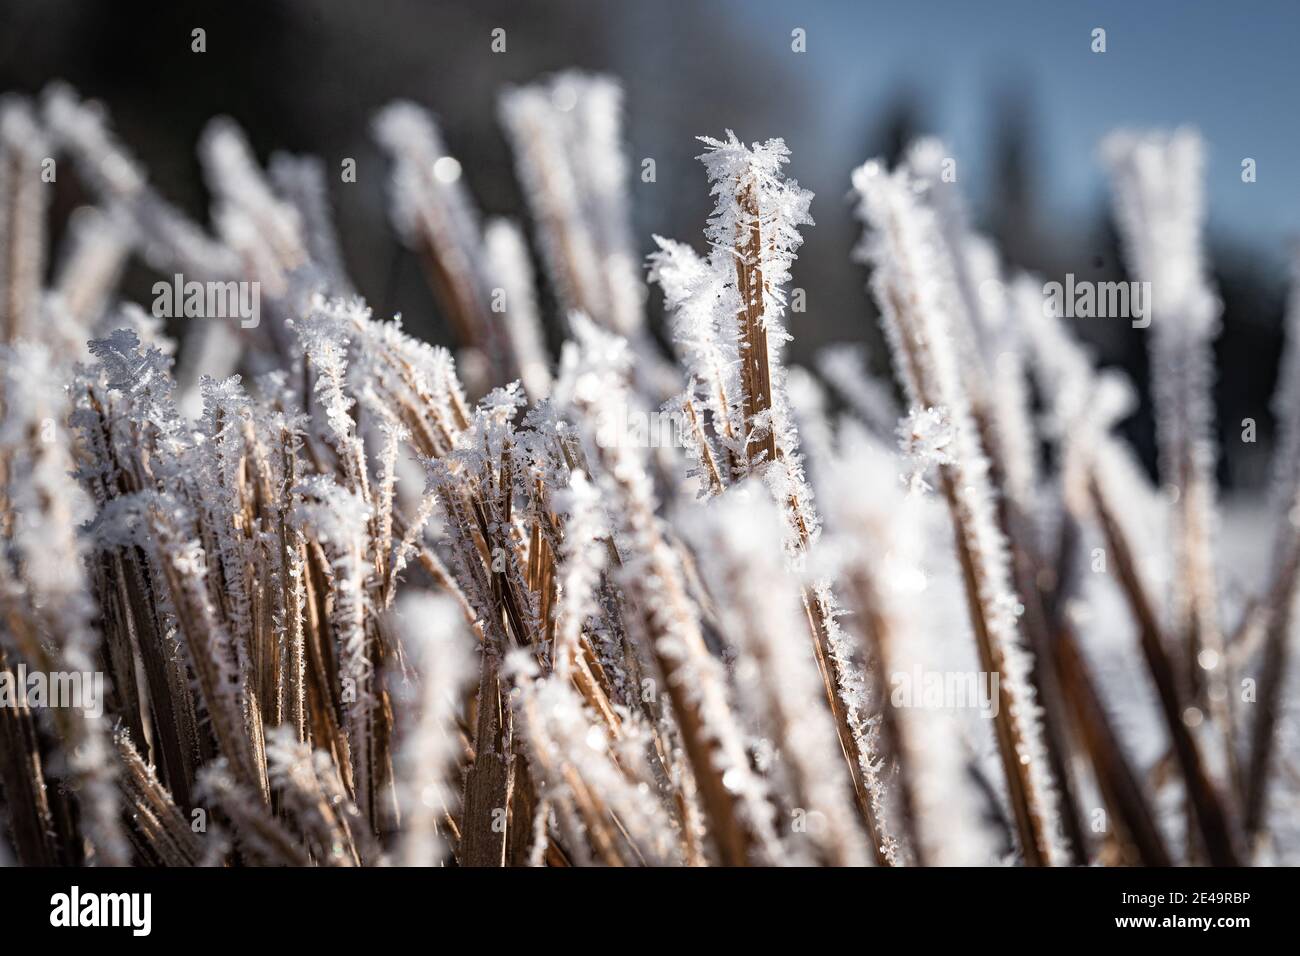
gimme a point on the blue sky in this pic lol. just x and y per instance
(1230, 69)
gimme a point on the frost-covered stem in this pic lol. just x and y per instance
(261, 835)
(99, 243)
(476, 490)
(1280, 602)
(568, 247)
(27, 796)
(895, 745)
(394, 435)
(971, 320)
(583, 556)
(739, 538)
(702, 448)
(565, 134)
(1013, 476)
(911, 287)
(339, 520)
(255, 222)
(211, 649)
(471, 562)
(510, 275)
(1031, 820)
(1160, 207)
(988, 350)
(325, 343)
(43, 572)
(694, 680)
(1280, 594)
(1118, 781)
(600, 156)
(845, 697)
(577, 765)
(23, 197)
(83, 736)
(432, 210)
(293, 560)
(1011, 422)
(225, 411)
(484, 826)
(754, 230)
(435, 639)
(134, 595)
(168, 240)
(691, 287)
(1083, 404)
(1212, 821)
(302, 180)
(159, 829)
(880, 533)
(651, 575)
(312, 796)
(755, 370)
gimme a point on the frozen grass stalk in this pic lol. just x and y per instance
(362, 604)
(913, 286)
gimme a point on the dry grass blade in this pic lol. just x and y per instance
(1278, 605)
(1119, 783)
(903, 248)
(22, 218)
(158, 828)
(1212, 820)
(1160, 208)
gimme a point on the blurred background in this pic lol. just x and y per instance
(1013, 87)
